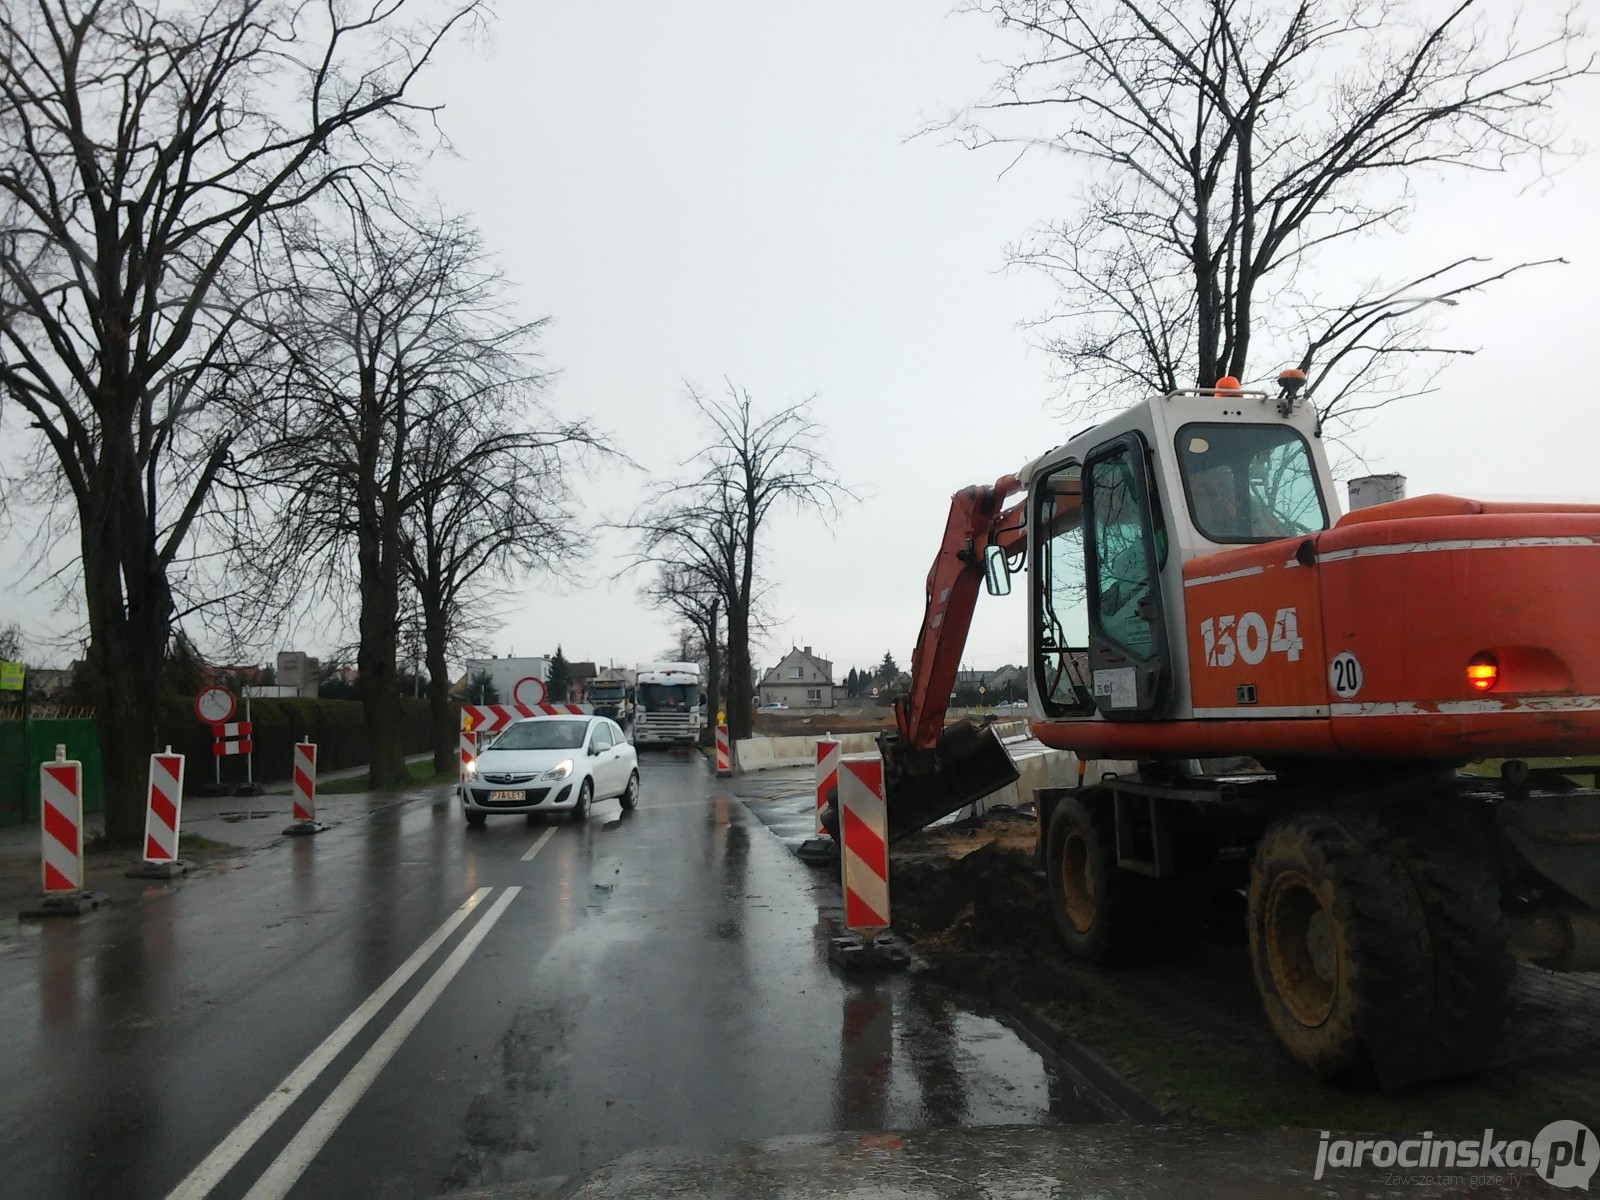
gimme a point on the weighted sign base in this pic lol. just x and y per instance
(305, 828)
(68, 904)
(818, 852)
(885, 952)
(249, 789)
(160, 870)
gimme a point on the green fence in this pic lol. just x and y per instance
(26, 744)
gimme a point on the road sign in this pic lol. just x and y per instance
(529, 690)
(11, 674)
(214, 705)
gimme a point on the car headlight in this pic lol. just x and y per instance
(560, 771)
(472, 768)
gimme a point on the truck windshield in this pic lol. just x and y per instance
(605, 691)
(1249, 483)
(668, 697)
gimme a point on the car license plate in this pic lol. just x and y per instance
(508, 797)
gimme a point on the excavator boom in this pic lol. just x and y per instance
(931, 769)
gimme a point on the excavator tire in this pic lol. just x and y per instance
(1339, 947)
(1469, 937)
(1105, 914)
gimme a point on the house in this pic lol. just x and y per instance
(800, 680)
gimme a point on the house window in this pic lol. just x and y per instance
(794, 672)
(813, 695)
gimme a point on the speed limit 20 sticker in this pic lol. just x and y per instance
(1344, 674)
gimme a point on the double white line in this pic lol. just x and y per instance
(293, 1160)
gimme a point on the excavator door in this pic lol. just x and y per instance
(1125, 548)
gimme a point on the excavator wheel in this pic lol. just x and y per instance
(1105, 914)
(1339, 947)
(1469, 937)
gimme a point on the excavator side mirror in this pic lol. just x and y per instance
(996, 573)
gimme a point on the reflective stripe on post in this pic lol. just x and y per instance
(827, 775)
(863, 829)
(61, 823)
(469, 744)
(305, 781)
(165, 808)
(724, 759)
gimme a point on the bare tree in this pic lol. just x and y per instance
(140, 147)
(400, 357)
(712, 525)
(1234, 149)
(690, 594)
(490, 497)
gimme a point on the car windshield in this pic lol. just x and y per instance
(542, 735)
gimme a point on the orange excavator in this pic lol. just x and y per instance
(1270, 700)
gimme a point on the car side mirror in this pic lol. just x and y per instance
(996, 572)
(594, 751)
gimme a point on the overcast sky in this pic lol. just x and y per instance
(704, 190)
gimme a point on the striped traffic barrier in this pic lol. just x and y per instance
(867, 943)
(163, 816)
(61, 837)
(61, 822)
(827, 776)
(821, 850)
(724, 760)
(469, 745)
(305, 790)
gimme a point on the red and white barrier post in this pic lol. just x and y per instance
(868, 943)
(162, 818)
(305, 790)
(469, 746)
(821, 850)
(724, 758)
(61, 834)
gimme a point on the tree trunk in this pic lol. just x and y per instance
(442, 718)
(739, 690)
(375, 661)
(129, 607)
(713, 671)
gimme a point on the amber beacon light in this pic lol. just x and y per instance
(1483, 672)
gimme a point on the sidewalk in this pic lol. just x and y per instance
(215, 829)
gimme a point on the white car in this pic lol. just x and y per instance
(551, 765)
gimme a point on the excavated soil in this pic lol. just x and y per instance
(1190, 1034)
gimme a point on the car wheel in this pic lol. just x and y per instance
(476, 819)
(630, 797)
(580, 813)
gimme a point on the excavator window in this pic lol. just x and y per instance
(1061, 593)
(1249, 483)
(1123, 555)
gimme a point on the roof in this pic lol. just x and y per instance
(582, 670)
(795, 652)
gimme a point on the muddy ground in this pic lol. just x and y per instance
(1190, 1034)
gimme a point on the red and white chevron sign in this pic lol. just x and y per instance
(234, 729)
(305, 781)
(827, 776)
(863, 828)
(61, 819)
(166, 804)
(492, 718)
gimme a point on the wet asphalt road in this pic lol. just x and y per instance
(654, 980)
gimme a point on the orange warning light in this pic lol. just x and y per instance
(1483, 672)
(1228, 384)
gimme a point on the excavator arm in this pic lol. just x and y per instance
(930, 769)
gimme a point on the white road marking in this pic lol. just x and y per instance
(287, 1168)
(247, 1132)
(538, 844)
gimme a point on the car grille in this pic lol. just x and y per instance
(533, 796)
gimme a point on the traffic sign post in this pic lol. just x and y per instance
(215, 705)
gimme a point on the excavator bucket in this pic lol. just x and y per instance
(968, 764)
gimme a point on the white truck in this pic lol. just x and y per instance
(513, 680)
(666, 704)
